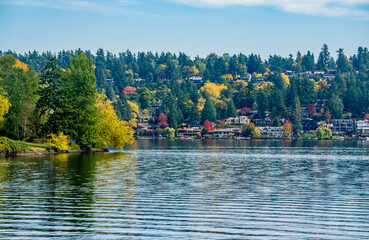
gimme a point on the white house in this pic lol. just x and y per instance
(362, 127)
(271, 131)
(226, 132)
(241, 120)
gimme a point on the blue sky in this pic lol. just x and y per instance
(195, 27)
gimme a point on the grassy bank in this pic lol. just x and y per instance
(9, 147)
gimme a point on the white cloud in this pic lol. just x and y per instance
(311, 7)
(116, 6)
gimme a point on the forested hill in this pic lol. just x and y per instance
(217, 87)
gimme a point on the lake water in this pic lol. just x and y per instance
(191, 189)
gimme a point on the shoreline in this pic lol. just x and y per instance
(2, 155)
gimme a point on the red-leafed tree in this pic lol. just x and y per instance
(208, 126)
(312, 109)
(162, 120)
(129, 90)
(245, 111)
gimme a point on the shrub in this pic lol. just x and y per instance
(59, 141)
(169, 133)
(323, 132)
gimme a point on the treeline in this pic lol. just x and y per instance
(152, 83)
(58, 104)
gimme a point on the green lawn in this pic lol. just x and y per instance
(36, 147)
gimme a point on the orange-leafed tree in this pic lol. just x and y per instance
(287, 129)
(129, 90)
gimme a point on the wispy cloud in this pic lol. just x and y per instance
(98, 6)
(331, 8)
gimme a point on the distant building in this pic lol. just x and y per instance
(362, 127)
(318, 72)
(189, 131)
(271, 131)
(260, 79)
(140, 80)
(342, 126)
(328, 76)
(226, 132)
(194, 79)
(110, 81)
(143, 118)
(290, 73)
(241, 120)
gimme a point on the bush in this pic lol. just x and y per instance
(11, 147)
(323, 132)
(169, 133)
(255, 133)
(59, 141)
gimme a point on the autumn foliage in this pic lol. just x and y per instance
(162, 120)
(209, 126)
(111, 131)
(213, 89)
(287, 129)
(129, 90)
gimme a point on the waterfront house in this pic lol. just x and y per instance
(362, 127)
(271, 131)
(342, 126)
(194, 131)
(226, 132)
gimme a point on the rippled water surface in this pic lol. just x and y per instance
(191, 189)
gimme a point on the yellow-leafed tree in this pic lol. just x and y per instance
(112, 131)
(59, 141)
(285, 78)
(135, 109)
(4, 105)
(213, 89)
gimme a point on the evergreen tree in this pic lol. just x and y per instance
(323, 58)
(336, 106)
(262, 103)
(171, 110)
(52, 98)
(231, 109)
(342, 61)
(296, 118)
(209, 112)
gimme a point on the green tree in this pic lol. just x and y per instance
(21, 85)
(256, 133)
(81, 114)
(323, 58)
(262, 103)
(323, 132)
(171, 110)
(336, 106)
(169, 133)
(209, 112)
(145, 98)
(296, 118)
(342, 61)
(247, 130)
(52, 98)
(231, 109)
